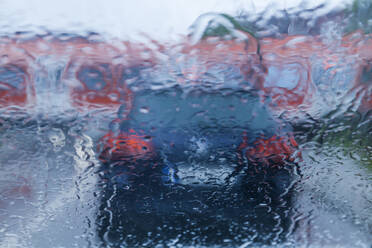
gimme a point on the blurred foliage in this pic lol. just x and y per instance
(221, 30)
(352, 133)
(359, 16)
(218, 28)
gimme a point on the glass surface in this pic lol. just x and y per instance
(185, 123)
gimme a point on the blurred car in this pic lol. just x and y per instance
(213, 132)
(16, 78)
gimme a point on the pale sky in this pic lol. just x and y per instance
(160, 19)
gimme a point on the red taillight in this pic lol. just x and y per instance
(124, 147)
(275, 150)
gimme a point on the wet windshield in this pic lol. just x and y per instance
(209, 124)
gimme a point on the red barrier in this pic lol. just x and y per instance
(95, 74)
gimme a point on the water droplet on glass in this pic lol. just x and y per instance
(144, 110)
